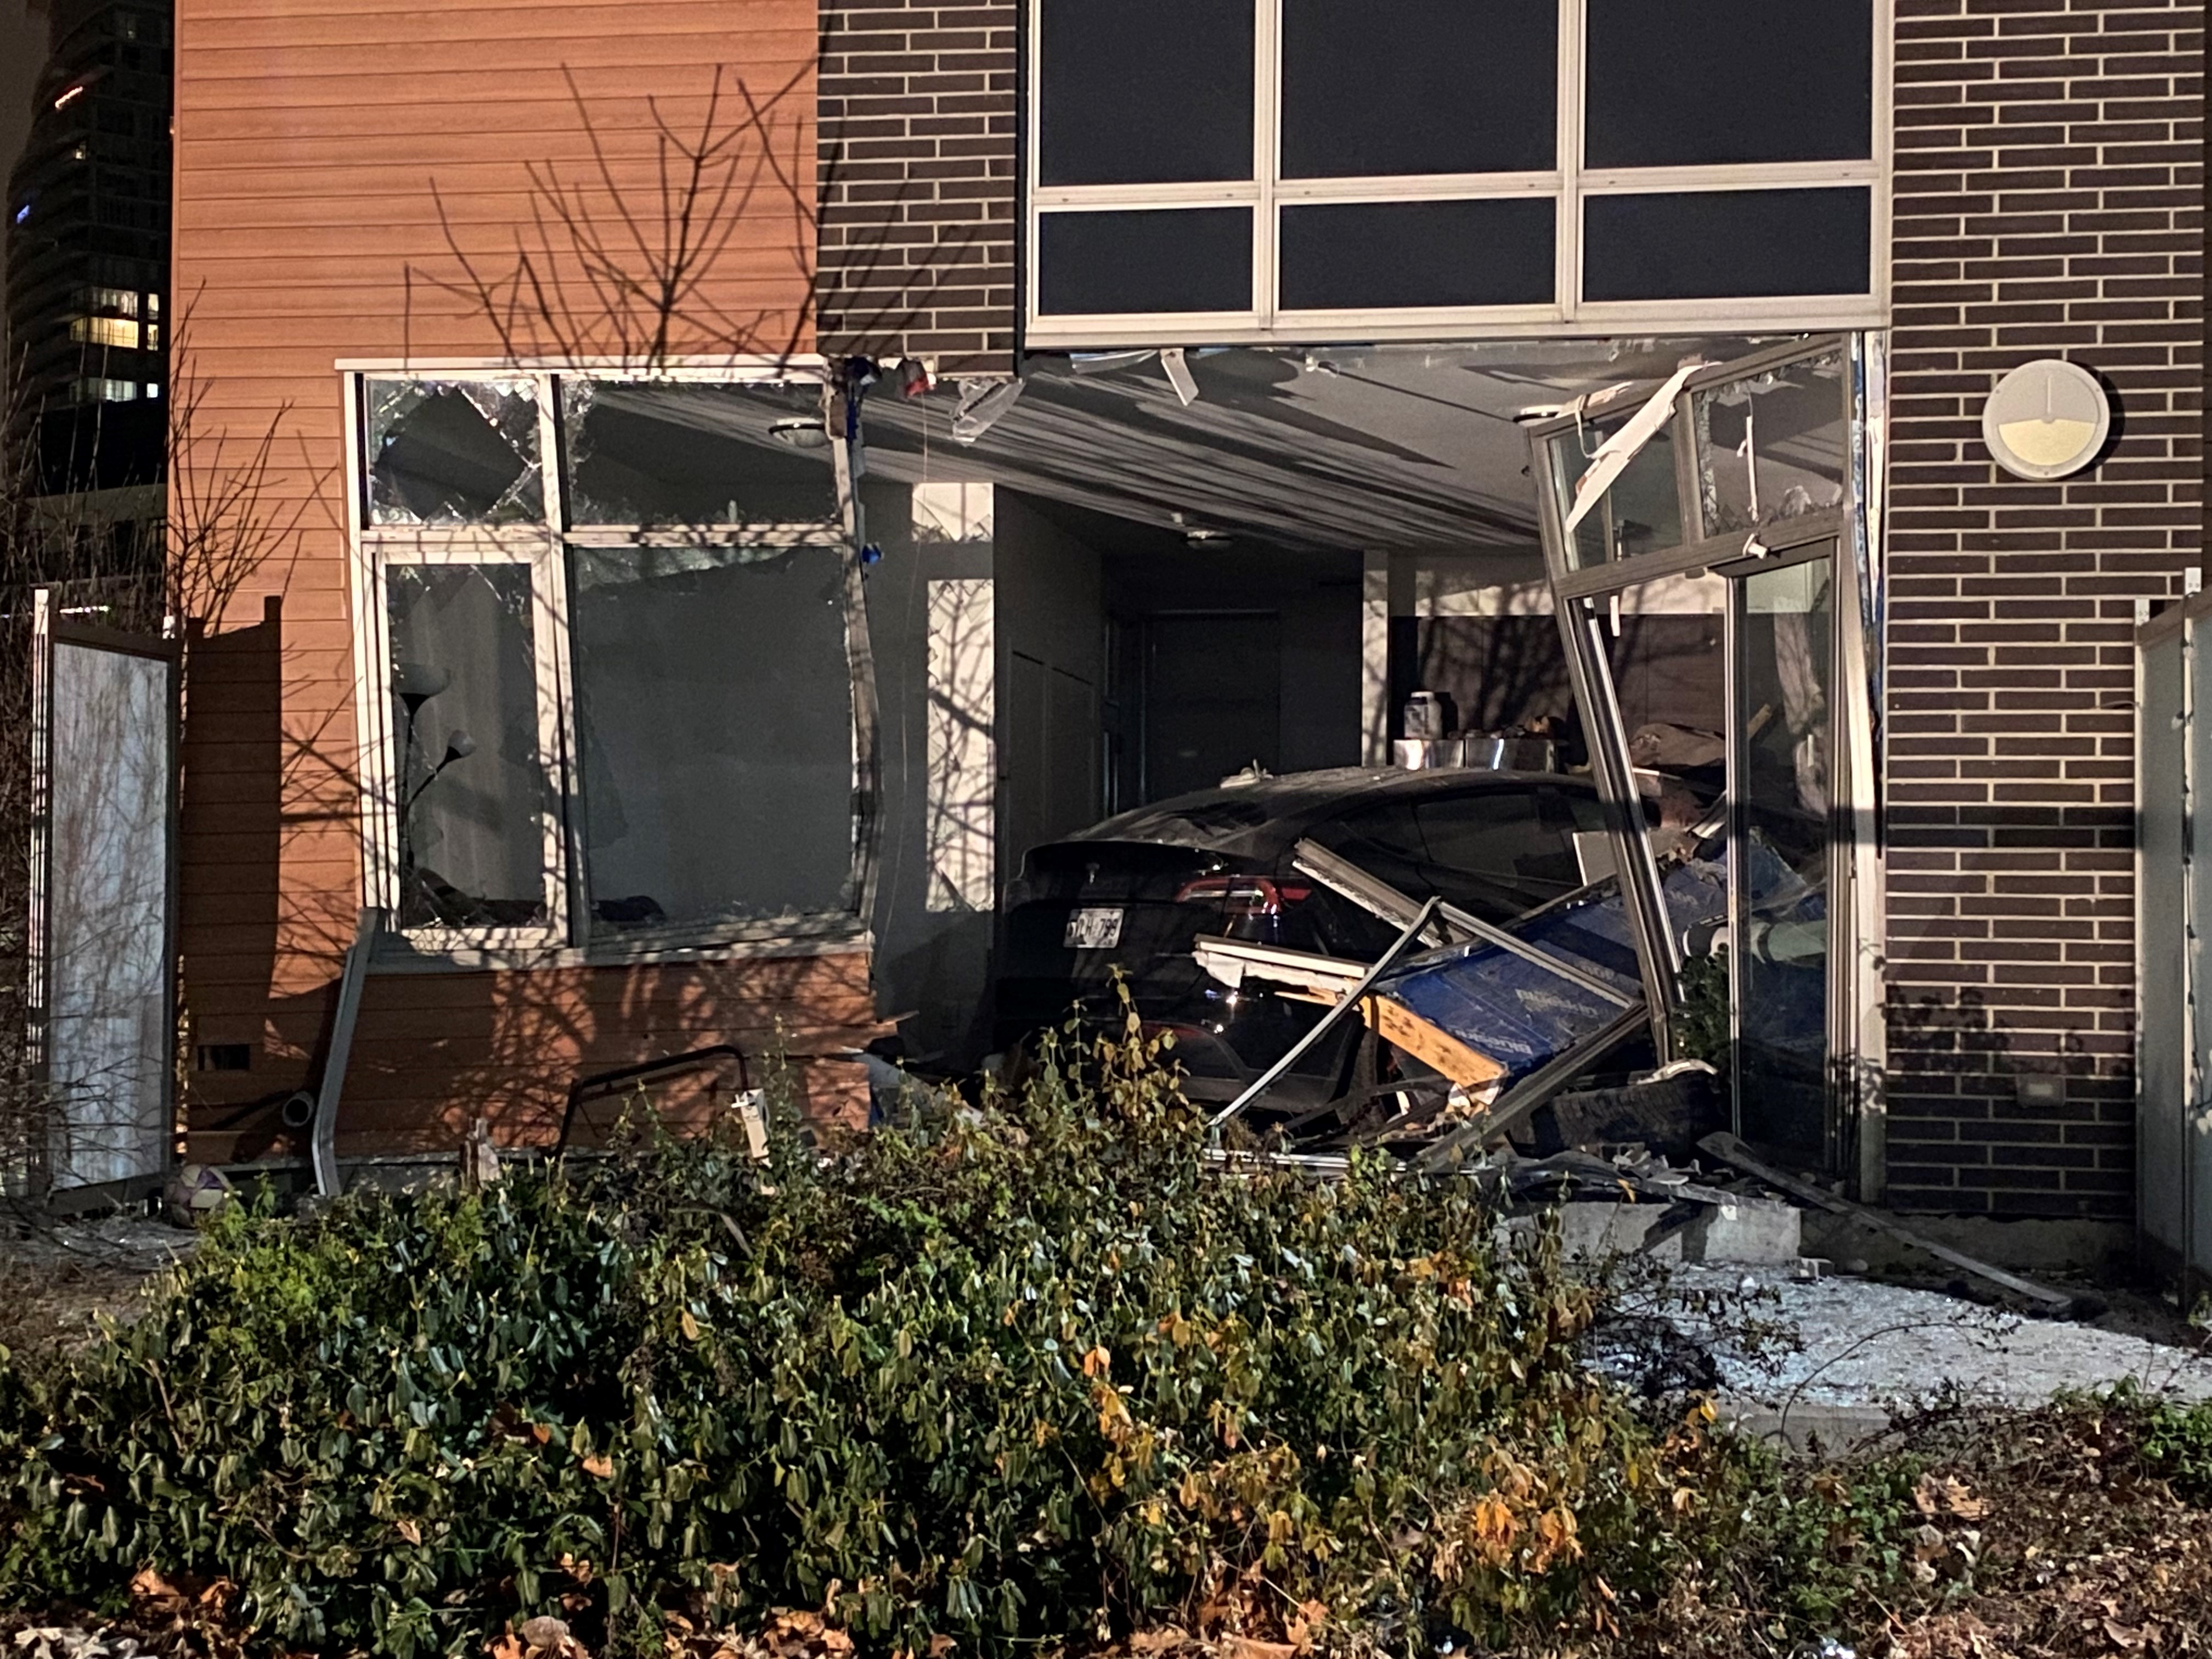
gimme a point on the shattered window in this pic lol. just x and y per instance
(453, 452)
(662, 455)
(476, 806)
(1666, 650)
(715, 717)
(1773, 446)
(1640, 513)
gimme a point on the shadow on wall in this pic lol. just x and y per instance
(270, 871)
(2011, 1064)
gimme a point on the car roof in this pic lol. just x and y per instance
(1270, 814)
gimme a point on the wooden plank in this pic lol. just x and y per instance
(1396, 1023)
(1732, 1151)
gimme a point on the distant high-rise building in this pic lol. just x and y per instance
(89, 248)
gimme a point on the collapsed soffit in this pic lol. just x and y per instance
(1363, 447)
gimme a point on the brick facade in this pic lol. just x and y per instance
(2049, 202)
(917, 150)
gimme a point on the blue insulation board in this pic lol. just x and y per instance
(1519, 1014)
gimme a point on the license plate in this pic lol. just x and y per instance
(1094, 930)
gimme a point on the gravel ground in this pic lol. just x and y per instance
(1866, 1343)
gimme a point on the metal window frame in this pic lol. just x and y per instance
(565, 939)
(1582, 595)
(1570, 184)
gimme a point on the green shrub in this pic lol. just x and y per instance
(1017, 1374)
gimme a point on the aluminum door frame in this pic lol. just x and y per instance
(1857, 1046)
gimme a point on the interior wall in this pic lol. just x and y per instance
(1051, 656)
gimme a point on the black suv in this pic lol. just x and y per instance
(1135, 891)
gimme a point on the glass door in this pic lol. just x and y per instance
(1736, 754)
(1781, 731)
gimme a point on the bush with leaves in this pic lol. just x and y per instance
(1030, 1372)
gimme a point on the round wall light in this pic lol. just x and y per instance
(2046, 419)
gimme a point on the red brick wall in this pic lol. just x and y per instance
(2049, 202)
(916, 151)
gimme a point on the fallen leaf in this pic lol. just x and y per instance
(540, 1433)
(2123, 1636)
(505, 1645)
(1959, 1498)
(601, 1468)
(689, 1325)
(409, 1531)
(543, 1633)
(940, 1644)
(1097, 1363)
(151, 1585)
(1154, 1641)
(1245, 1647)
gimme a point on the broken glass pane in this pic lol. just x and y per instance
(1772, 447)
(475, 798)
(1642, 512)
(1665, 647)
(715, 715)
(453, 451)
(664, 455)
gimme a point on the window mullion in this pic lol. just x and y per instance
(556, 714)
(1266, 152)
(1569, 229)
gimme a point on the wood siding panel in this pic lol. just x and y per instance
(314, 145)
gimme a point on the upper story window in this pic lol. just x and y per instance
(1217, 170)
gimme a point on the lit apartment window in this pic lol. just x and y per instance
(1236, 168)
(107, 331)
(608, 624)
(113, 301)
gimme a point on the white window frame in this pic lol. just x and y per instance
(541, 547)
(1570, 184)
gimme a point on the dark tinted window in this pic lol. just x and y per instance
(1418, 86)
(1348, 255)
(1684, 82)
(1384, 841)
(1144, 260)
(1720, 245)
(1498, 853)
(1142, 92)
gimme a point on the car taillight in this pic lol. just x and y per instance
(1243, 895)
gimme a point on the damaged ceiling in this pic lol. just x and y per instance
(1370, 447)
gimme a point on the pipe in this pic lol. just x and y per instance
(1266, 1081)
